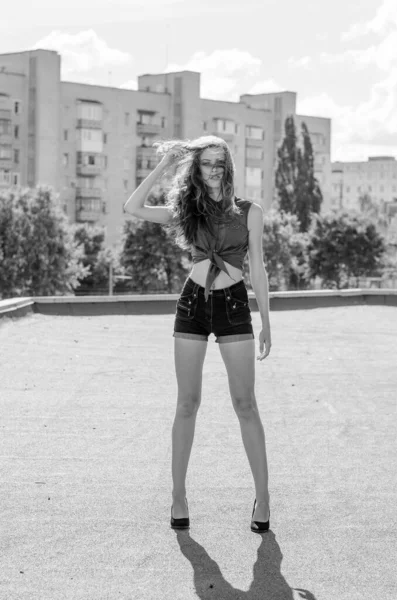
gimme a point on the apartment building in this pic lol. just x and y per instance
(283, 104)
(376, 177)
(93, 144)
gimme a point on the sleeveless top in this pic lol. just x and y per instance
(230, 243)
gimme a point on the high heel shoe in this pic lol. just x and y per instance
(183, 523)
(261, 526)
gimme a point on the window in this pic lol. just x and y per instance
(253, 193)
(256, 133)
(90, 111)
(16, 156)
(148, 118)
(5, 176)
(164, 122)
(89, 204)
(16, 131)
(125, 183)
(5, 126)
(277, 105)
(204, 126)
(90, 135)
(65, 135)
(88, 159)
(253, 176)
(105, 161)
(5, 152)
(17, 107)
(105, 138)
(126, 119)
(224, 126)
(16, 179)
(89, 140)
(254, 153)
(65, 159)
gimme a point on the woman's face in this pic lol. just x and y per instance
(212, 166)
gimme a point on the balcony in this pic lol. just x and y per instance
(6, 114)
(148, 128)
(228, 137)
(254, 143)
(87, 215)
(143, 172)
(146, 153)
(88, 192)
(89, 170)
(88, 124)
(6, 163)
(254, 162)
(6, 138)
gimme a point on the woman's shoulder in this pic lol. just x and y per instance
(245, 205)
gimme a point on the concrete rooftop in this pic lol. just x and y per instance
(87, 406)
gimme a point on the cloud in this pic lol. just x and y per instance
(83, 51)
(368, 128)
(265, 87)
(303, 62)
(131, 84)
(382, 54)
(224, 73)
(384, 19)
(230, 61)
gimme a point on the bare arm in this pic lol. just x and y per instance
(258, 275)
(136, 202)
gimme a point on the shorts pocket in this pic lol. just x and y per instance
(237, 308)
(186, 305)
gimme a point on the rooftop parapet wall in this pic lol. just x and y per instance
(166, 303)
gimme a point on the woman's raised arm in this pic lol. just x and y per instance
(136, 202)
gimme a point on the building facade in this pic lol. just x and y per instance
(93, 144)
(376, 178)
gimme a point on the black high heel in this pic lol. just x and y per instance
(261, 526)
(183, 523)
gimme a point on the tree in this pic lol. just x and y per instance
(287, 168)
(344, 245)
(284, 251)
(38, 253)
(297, 188)
(374, 212)
(151, 257)
(97, 258)
(308, 192)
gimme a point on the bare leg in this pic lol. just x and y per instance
(189, 359)
(239, 358)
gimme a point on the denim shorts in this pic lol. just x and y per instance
(226, 313)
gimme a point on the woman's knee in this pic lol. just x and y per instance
(245, 406)
(188, 404)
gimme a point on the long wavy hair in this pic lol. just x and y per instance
(188, 195)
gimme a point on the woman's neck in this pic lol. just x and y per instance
(215, 195)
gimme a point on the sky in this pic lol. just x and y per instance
(339, 57)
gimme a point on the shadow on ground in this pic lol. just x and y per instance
(267, 584)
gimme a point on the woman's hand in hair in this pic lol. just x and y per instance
(173, 156)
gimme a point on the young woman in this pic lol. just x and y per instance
(205, 216)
